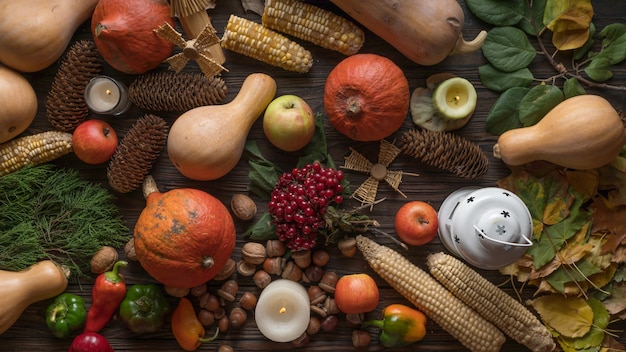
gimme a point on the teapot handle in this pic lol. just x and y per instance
(527, 242)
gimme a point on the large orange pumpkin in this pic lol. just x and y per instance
(183, 237)
(366, 97)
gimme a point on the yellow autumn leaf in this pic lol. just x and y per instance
(569, 316)
(569, 22)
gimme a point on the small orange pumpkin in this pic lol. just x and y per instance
(366, 97)
(183, 237)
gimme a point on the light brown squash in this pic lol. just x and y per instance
(425, 31)
(205, 143)
(18, 104)
(582, 132)
(20, 289)
(35, 33)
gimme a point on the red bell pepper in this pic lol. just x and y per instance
(107, 294)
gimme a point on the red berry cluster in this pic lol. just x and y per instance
(299, 202)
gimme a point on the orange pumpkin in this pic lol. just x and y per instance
(366, 97)
(123, 31)
(183, 237)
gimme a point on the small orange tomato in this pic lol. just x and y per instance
(356, 293)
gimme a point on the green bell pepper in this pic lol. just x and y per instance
(66, 315)
(401, 325)
(144, 308)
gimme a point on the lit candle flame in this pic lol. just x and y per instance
(108, 92)
(282, 310)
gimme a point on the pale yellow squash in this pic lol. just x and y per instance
(18, 104)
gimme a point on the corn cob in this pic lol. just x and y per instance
(491, 302)
(258, 42)
(314, 24)
(33, 150)
(429, 296)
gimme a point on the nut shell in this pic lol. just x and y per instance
(103, 260)
(243, 207)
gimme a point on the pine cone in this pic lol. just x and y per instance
(446, 151)
(137, 153)
(168, 91)
(65, 106)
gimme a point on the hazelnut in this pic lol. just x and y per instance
(329, 323)
(313, 273)
(262, 279)
(292, 272)
(199, 290)
(237, 317)
(103, 260)
(314, 325)
(302, 340)
(227, 270)
(316, 295)
(330, 306)
(243, 207)
(223, 323)
(355, 319)
(248, 300)
(206, 317)
(361, 338)
(176, 291)
(245, 269)
(347, 246)
(329, 281)
(302, 258)
(320, 257)
(228, 291)
(274, 266)
(225, 348)
(318, 310)
(219, 313)
(129, 250)
(253, 253)
(209, 301)
(275, 248)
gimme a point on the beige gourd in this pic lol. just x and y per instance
(425, 31)
(18, 104)
(205, 143)
(35, 33)
(582, 132)
(20, 289)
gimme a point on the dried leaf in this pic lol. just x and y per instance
(570, 317)
(569, 22)
(609, 220)
(594, 338)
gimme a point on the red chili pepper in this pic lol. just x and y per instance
(107, 294)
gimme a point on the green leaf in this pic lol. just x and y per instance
(567, 274)
(496, 12)
(595, 336)
(504, 114)
(572, 88)
(500, 81)
(536, 104)
(262, 230)
(532, 23)
(614, 42)
(508, 49)
(263, 173)
(317, 149)
(599, 69)
(579, 53)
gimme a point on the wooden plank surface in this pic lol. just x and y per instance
(432, 185)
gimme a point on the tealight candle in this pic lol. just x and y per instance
(104, 95)
(283, 311)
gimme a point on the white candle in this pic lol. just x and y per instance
(283, 311)
(104, 95)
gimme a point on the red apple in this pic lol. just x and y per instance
(289, 123)
(416, 223)
(356, 293)
(94, 141)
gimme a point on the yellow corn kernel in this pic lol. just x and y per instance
(429, 296)
(491, 302)
(33, 150)
(314, 24)
(261, 43)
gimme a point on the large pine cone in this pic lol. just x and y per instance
(446, 151)
(137, 153)
(169, 91)
(65, 106)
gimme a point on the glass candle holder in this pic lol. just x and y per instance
(107, 96)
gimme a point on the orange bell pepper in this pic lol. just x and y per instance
(401, 325)
(186, 327)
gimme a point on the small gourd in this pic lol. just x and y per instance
(35, 33)
(366, 97)
(205, 143)
(18, 104)
(582, 132)
(20, 289)
(183, 237)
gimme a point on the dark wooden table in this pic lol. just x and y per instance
(432, 185)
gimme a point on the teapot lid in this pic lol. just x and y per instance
(489, 227)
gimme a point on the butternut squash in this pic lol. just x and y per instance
(35, 33)
(582, 132)
(18, 104)
(205, 143)
(425, 31)
(22, 288)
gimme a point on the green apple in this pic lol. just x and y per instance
(289, 123)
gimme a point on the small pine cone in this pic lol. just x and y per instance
(169, 91)
(137, 153)
(446, 151)
(65, 106)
